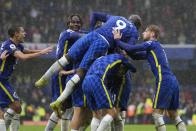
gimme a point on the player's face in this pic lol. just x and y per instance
(146, 35)
(75, 23)
(20, 35)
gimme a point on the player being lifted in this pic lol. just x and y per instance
(66, 39)
(8, 96)
(166, 97)
(90, 47)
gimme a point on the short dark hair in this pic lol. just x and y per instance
(136, 19)
(155, 29)
(13, 30)
(69, 19)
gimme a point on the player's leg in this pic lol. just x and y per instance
(107, 119)
(2, 122)
(180, 125)
(158, 120)
(77, 118)
(81, 113)
(66, 118)
(118, 122)
(13, 103)
(87, 117)
(172, 110)
(52, 122)
(97, 116)
(76, 52)
(12, 115)
(58, 65)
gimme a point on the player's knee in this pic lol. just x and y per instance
(16, 106)
(81, 72)
(1, 114)
(158, 119)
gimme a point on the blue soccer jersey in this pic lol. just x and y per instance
(7, 65)
(101, 72)
(7, 92)
(127, 28)
(167, 90)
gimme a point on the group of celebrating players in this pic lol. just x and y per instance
(92, 74)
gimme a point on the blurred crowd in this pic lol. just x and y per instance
(44, 20)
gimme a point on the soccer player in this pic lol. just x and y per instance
(95, 87)
(90, 47)
(66, 40)
(8, 96)
(166, 97)
(3, 56)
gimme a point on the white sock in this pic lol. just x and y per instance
(180, 124)
(69, 88)
(8, 115)
(118, 123)
(15, 123)
(55, 67)
(2, 125)
(159, 122)
(52, 122)
(94, 124)
(73, 130)
(65, 125)
(67, 114)
(105, 122)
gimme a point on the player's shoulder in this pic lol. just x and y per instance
(66, 33)
(8, 44)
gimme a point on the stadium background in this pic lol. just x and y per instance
(44, 20)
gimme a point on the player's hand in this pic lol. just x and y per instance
(4, 55)
(47, 50)
(117, 34)
(63, 72)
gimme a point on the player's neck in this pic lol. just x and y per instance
(14, 41)
(153, 39)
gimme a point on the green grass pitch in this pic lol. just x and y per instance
(127, 128)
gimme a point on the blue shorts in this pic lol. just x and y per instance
(58, 85)
(78, 97)
(97, 94)
(87, 49)
(7, 94)
(122, 93)
(167, 94)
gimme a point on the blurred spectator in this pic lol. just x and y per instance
(176, 20)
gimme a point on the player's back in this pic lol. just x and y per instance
(103, 64)
(127, 28)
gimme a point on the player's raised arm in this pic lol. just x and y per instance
(97, 16)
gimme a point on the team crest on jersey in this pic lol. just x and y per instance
(12, 46)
